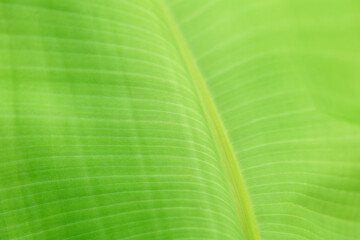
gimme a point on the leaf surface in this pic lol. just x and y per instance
(179, 119)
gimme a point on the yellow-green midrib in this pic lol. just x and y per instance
(237, 185)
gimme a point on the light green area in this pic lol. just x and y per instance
(237, 186)
(204, 119)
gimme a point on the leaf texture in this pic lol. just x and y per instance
(108, 115)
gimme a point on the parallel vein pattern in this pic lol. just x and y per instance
(247, 221)
(103, 135)
(101, 132)
(285, 78)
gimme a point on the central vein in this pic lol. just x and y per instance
(238, 190)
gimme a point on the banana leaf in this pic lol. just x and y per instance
(159, 119)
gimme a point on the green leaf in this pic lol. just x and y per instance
(232, 119)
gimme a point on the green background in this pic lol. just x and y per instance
(103, 136)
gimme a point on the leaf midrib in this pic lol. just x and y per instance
(237, 186)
